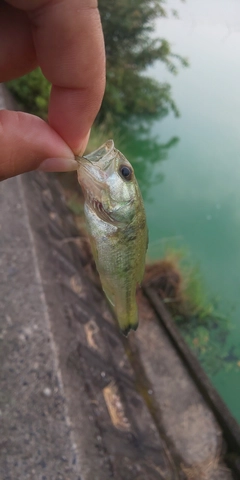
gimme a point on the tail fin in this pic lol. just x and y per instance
(125, 331)
(127, 315)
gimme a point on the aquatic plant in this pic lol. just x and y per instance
(181, 288)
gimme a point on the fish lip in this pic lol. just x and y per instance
(106, 149)
(80, 160)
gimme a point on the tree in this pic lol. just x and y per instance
(128, 27)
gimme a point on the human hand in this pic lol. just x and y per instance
(63, 37)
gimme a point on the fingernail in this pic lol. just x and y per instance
(58, 165)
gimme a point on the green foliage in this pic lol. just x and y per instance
(128, 27)
(32, 92)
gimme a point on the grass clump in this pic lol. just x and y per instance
(179, 285)
(181, 288)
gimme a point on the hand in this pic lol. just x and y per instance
(63, 37)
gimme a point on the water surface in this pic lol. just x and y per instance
(196, 201)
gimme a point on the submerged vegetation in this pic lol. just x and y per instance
(181, 288)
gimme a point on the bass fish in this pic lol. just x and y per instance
(118, 231)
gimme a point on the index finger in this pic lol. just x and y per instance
(70, 50)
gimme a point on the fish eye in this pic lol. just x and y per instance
(125, 172)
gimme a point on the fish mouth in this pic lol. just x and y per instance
(106, 149)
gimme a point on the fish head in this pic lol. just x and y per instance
(109, 185)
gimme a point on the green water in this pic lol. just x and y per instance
(193, 197)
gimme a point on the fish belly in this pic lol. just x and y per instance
(120, 263)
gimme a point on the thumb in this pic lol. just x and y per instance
(28, 143)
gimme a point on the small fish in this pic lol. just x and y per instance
(118, 232)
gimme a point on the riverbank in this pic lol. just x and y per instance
(119, 397)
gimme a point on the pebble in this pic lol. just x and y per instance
(47, 392)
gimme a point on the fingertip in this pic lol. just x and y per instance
(58, 165)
